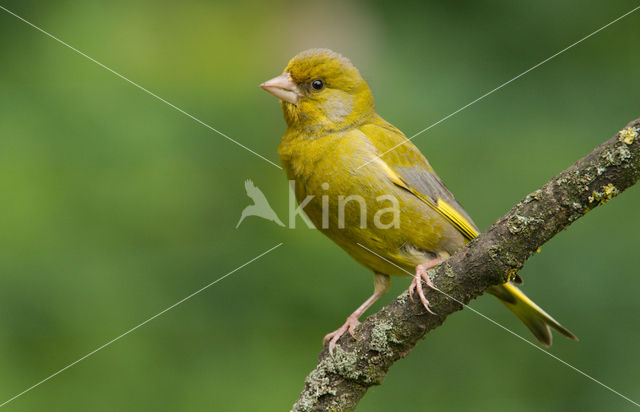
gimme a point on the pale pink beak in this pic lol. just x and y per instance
(283, 88)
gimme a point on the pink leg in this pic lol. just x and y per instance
(381, 285)
(416, 283)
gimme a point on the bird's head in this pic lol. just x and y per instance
(321, 92)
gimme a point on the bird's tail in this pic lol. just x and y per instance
(536, 319)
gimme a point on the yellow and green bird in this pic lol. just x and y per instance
(369, 189)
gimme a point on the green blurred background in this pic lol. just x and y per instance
(115, 206)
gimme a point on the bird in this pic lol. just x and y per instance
(337, 147)
(260, 208)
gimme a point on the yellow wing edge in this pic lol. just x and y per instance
(443, 208)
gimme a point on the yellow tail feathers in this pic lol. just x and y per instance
(536, 319)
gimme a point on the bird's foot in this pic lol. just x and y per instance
(349, 325)
(416, 283)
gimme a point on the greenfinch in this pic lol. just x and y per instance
(342, 157)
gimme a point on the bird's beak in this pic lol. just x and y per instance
(283, 88)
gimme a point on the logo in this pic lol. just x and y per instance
(335, 209)
(260, 206)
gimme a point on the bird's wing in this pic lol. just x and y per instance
(409, 169)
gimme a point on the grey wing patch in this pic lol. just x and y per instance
(429, 184)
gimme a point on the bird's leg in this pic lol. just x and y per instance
(421, 274)
(381, 284)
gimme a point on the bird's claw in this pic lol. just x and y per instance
(350, 326)
(416, 284)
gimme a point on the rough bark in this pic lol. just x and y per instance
(339, 382)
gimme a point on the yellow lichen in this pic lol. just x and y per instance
(513, 274)
(608, 192)
(627, 135)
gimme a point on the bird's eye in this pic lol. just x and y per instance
(317, 84)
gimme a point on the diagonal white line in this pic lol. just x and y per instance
(138, 86)
(501, 86)
(138, 326)
(510, 331)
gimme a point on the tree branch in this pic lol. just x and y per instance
(339, 382)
